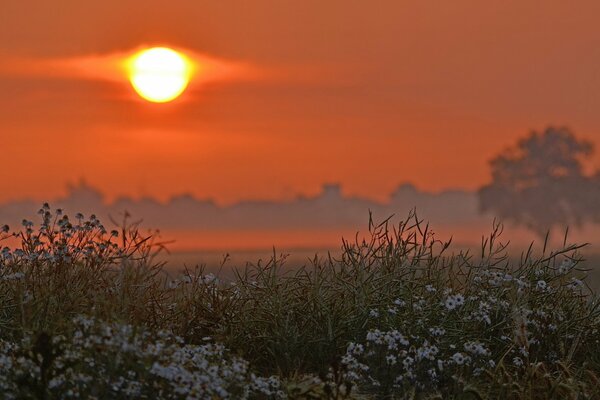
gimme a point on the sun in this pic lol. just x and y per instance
(159, 74)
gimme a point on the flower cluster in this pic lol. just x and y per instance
(435, 335)
(58, 240)
(392, 361)
(100, 360)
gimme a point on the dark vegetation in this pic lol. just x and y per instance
(87, 313)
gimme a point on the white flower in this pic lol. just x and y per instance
(450, 303)
(373, 313)
(476, 348)
(454, 301)
(408, 362)
(460, 300)
(418, 307)
(522, 284)
(427, 352)
(458, 358)
(209, 278)
(517, 361)
(355, 348)
(56, 382)
(437, 331)
(5, 362)
(495, 281)
(399, 303)
(375, 336)
(575, 283)
(395, 336)
(541, 285)
(565, 266)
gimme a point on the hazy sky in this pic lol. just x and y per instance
(368, 94)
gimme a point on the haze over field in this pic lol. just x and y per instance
(308, 223)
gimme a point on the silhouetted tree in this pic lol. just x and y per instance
(540, 183)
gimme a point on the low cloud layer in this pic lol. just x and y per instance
(319, 221)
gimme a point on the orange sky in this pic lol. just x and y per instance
(368, 94)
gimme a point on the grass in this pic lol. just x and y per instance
(87, 313)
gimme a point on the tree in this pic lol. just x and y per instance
(540, 183)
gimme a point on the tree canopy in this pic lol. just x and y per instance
(541, 183)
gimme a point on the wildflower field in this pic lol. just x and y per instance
(88, 312)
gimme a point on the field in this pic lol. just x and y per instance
(86, 312)
(224, 264)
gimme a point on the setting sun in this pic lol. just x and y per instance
(159, 74)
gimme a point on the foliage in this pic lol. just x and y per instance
(540, 183)
(88, 313)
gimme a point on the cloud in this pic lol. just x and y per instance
(318, 221)
(112, 67)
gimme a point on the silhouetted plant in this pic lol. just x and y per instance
(540, 183)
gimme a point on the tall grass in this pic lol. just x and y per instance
(397, 315)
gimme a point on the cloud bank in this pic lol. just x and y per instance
(317, 221)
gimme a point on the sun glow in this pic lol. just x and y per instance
(159, 74)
